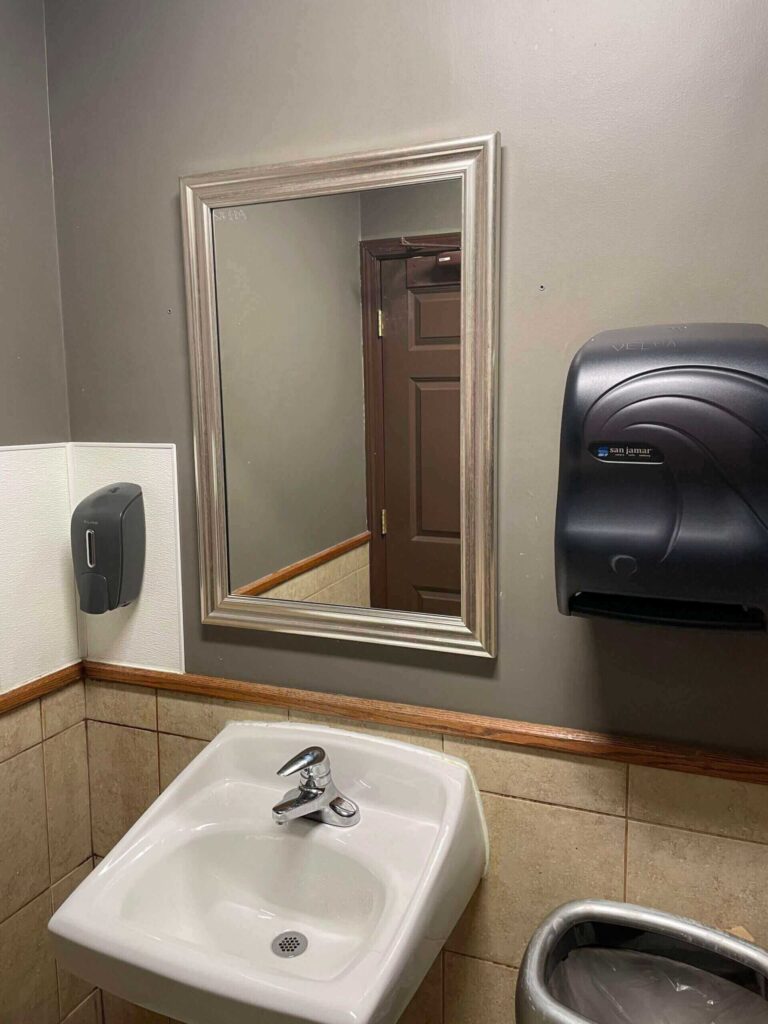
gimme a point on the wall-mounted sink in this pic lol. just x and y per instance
(207, 910)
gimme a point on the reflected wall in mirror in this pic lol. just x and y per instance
(318, 508)
(342, 322)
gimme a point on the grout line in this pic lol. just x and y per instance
(481, 959)
(123, 725)
(39, 703)
(352, 723)
(36, 743)
(18, 910)
(157, 740)
(79, 1006)
(699, 832)
(183, 736)
(74, 869)
(77, 682)
(626, 835)
(56, 966)
(443, 972)
(313, 593)
(551, 803)
(640, 821)
(90, 795)
(329, 585)
(47, 815)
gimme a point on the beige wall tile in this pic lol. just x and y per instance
(202, 718)
(124, 779)
(24, 871)
(117, 1011)
(583, 782)
(88, 1012)
(68, 800)
(331, 572)
(20, 729)
(363, 587)
(343, 591)
(72, 990)
(175, 754)
(477, 992)
(63, 889)
(295, 589)
(426, 1007)
(718, 806)
(27, 970)
(304, 586)
(63, 708)
(361, 557)
(419, 739)
(121, 704)
(720, 882)
(541, 856)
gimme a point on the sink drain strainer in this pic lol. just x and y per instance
(288, 944)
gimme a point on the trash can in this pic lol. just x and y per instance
(600, 962)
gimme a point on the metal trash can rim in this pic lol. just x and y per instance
(534, 1002)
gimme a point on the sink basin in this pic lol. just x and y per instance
(193, 912)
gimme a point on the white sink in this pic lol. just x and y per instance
(180, 917)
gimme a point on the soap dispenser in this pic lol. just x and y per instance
(108, 543)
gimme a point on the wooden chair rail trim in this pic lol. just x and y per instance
(57, 680)
(626, 749)
(266, 583)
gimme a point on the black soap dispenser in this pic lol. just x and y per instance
(108, 543)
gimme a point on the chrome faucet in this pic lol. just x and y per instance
(316, 796)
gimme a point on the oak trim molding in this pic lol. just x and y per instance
(289, 572)
(557, 739)
(40, 687)
(719, 764)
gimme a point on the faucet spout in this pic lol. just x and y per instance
(297, 804)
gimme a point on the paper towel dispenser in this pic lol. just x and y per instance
(108, 541)
(662, 508)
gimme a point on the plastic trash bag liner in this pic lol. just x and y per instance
(620, 986)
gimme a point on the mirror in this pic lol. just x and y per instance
(309, 491)
(342, 336)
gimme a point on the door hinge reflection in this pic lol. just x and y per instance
(380, 327)
(383, 522)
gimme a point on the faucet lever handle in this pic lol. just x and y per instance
(308, 758)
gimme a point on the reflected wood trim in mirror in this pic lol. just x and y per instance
(306, 565)
(475, 161)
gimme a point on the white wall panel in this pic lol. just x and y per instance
(149, 632)
(38, 624)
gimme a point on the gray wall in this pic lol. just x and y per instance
(633, 191)
(32, 386)
(411, 209)
(290, 343)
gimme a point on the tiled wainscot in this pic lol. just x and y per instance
(80, 766)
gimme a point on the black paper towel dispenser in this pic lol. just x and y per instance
(108, 541)
(662, 508)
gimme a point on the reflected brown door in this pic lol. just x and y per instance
(420, 352)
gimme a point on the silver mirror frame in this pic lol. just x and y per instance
(476, 162)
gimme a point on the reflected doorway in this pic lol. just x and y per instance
(411, 297)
